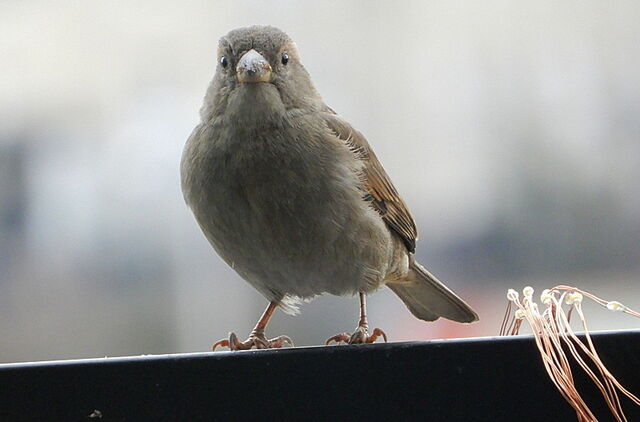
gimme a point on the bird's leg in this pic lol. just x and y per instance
(257, 338)
(361, 334)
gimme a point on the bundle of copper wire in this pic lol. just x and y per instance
(551, 329)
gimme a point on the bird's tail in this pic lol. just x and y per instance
(428, 299)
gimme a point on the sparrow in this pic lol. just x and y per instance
(293, 198)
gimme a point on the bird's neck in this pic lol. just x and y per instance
(253, 105)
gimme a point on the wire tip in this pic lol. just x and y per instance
(615, 306)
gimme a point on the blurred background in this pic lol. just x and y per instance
(512, 129)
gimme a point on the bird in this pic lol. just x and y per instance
(294, 199)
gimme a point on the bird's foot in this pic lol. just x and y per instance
(359, 336)
(256, 339)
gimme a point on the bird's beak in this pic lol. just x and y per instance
(253, 68)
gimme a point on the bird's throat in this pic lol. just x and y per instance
(255, 104)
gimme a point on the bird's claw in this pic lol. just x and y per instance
(257, 340)
(359, 336)
(338, 338)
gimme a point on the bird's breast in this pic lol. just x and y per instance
(283, 204)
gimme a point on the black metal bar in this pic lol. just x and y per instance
(485, 379)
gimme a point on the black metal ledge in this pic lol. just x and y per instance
(485, 379)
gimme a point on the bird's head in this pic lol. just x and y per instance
(258, 70)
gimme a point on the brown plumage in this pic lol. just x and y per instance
(420, 290)
(380, 191)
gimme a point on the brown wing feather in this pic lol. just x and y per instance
(379, 190)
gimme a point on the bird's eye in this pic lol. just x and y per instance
(285, 58)
(223, 61)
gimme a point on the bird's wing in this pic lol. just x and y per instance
(378, 188)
